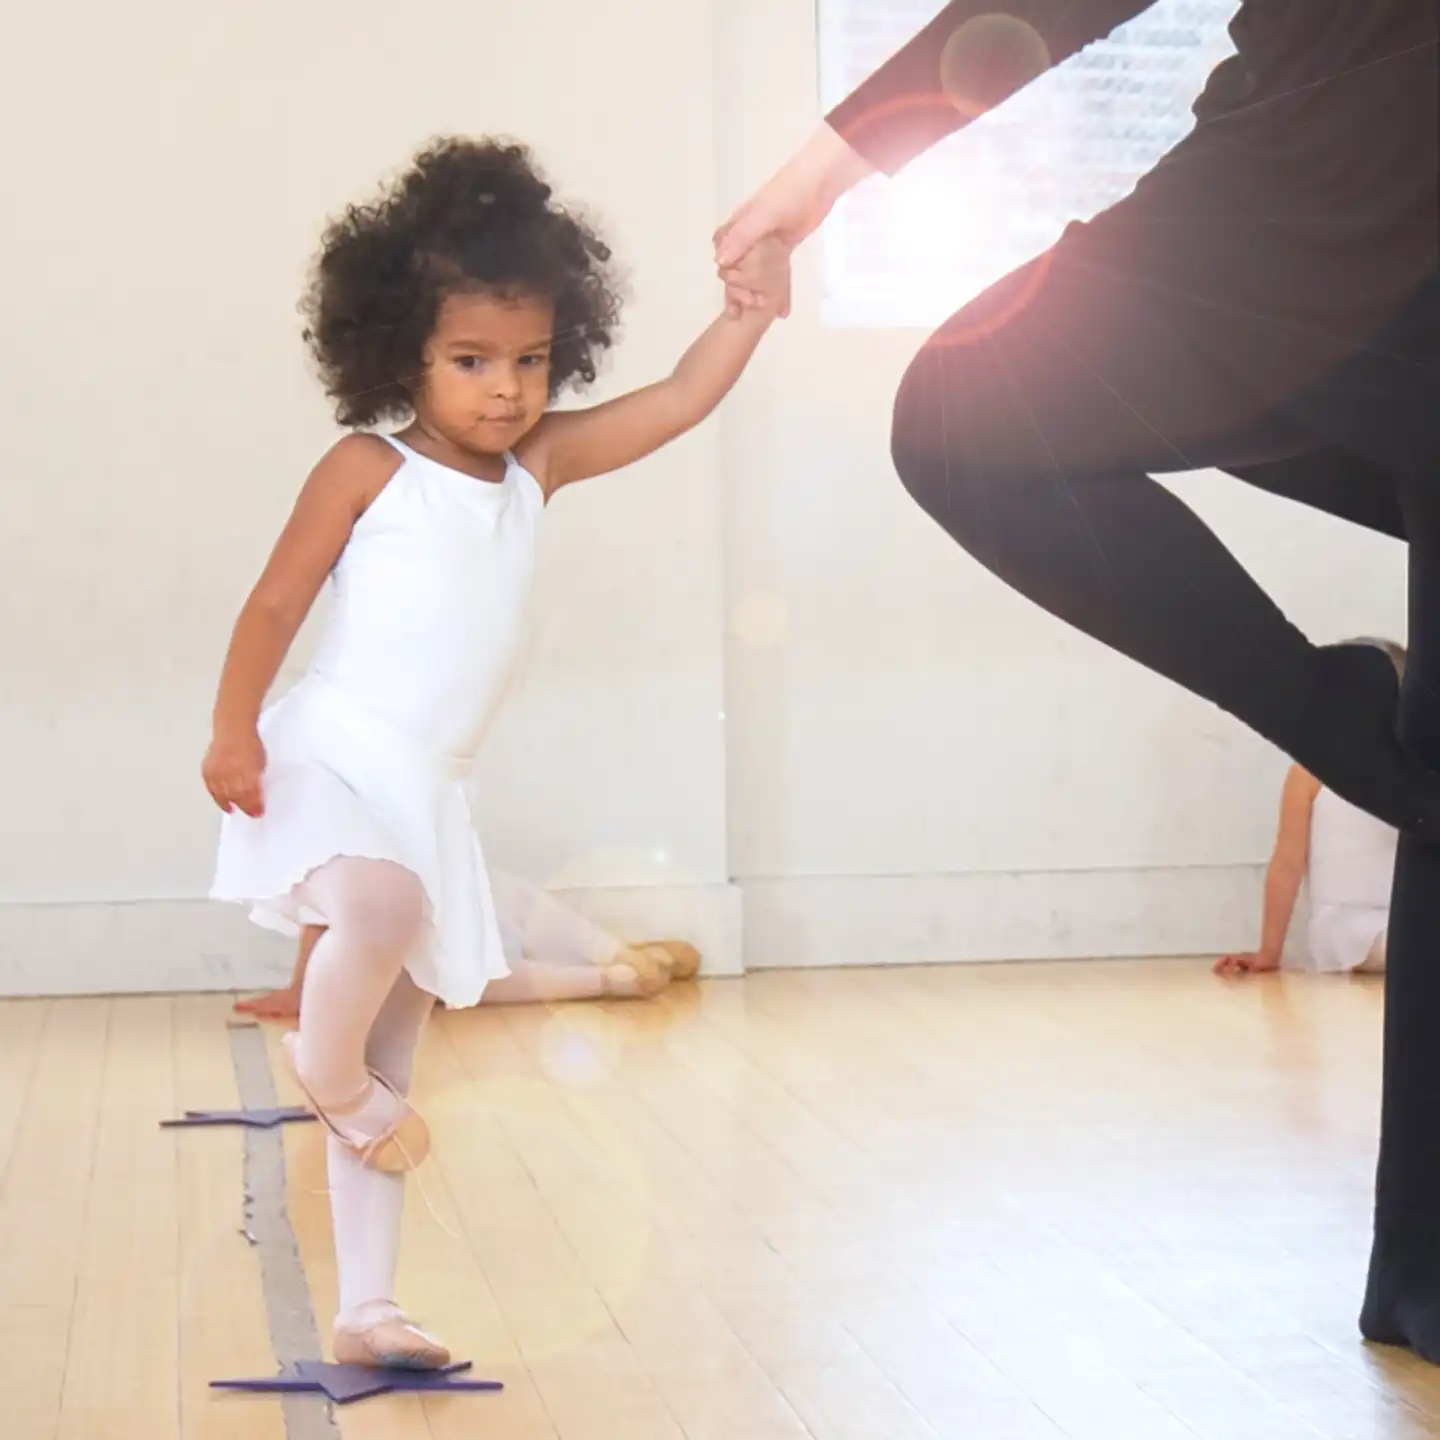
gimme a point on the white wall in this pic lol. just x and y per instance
(915, 765)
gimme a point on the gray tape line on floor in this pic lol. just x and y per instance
(267, 1220)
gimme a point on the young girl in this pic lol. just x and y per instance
(459, 303)
(554, 954)
(1346, 858)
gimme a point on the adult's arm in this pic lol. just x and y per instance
(966, 61)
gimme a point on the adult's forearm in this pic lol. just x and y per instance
(967, 60)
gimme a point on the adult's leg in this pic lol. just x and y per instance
(1402, 1303)
(1334, 480)
(1028, 428)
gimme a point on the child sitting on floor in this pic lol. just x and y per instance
(1346, 858)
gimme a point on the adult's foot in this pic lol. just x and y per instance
(1402, 1295)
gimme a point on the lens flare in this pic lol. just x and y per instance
(987, 59)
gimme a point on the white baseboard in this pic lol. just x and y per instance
(1060, 915)
(171, 946)
(196, 945)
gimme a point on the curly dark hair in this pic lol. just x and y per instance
(467, 216)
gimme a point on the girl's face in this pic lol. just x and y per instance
(487, 371)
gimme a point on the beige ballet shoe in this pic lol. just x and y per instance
(634, 974)
(396, 1150)
(389, 1343)
(682, 960)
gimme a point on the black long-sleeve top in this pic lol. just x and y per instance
(1306, 193)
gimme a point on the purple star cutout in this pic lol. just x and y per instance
(345, 1384)
(254, 1119)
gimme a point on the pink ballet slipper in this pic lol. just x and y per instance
(389, 1342)
(399, 1148)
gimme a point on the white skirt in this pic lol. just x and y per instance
(341, 781)
(1348, 937)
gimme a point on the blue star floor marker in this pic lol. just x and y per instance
(252, 1119)
(345, 1384)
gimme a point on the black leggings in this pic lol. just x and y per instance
(1029, 426)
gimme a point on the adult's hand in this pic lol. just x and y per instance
(790, 206)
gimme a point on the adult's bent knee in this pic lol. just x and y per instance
(932, 440)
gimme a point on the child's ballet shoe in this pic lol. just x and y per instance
(389, 1343)
(634, 974)
(399, 1148)
(682, 960)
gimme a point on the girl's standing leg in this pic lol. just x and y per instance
(360, 1011)
(366, 1204)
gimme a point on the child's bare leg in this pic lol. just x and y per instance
(285, 1004)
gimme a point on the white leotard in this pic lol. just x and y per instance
(368, 754)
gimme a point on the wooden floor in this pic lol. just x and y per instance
(1115, 1202)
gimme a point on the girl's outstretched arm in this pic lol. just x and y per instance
(339, 490)
(1283, 877)
(571, 445)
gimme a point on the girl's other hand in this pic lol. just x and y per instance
(1250, 963)
(233, 769)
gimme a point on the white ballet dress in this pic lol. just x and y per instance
(1352, 862)
(368, 754)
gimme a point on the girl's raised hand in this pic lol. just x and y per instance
(763, 275)
(789, 206)
(233, 769)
